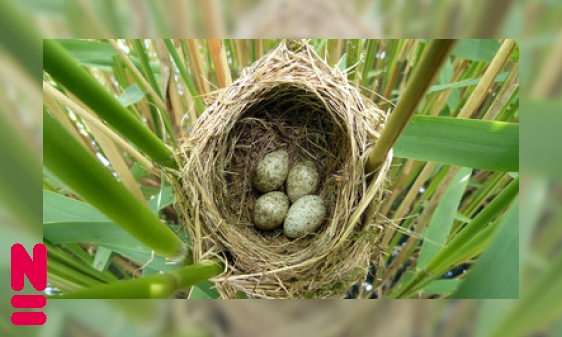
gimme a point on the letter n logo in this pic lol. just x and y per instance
(35, 269)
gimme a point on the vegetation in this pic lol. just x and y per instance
(114, 110)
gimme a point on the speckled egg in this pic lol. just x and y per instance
(303, 179)
(304, 216)
(270, 209)
(271, 171)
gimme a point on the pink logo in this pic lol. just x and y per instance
(35, 269)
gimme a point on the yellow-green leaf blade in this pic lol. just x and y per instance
(485, 145)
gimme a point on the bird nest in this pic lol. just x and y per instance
(289, 99)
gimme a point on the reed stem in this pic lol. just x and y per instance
(64, 69)
(429, 64)
(82, 172)
(151, 287)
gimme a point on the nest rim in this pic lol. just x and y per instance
(338, 254)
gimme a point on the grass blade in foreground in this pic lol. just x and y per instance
(465, 245)
(67, 220)
(425, 71)
(443, 217)
(478, 225)
(63, 68)
(153, 286)
(498, 267)
(484, 145)
(71, 162)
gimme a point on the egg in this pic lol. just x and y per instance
(303, 179)
(270, 209)
(271, 171)
(304, 216)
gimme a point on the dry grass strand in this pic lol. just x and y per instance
(289, 99)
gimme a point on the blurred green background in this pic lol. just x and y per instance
(535, 24)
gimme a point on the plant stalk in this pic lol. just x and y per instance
(64, 69)
(218, 55)
(185, 75)
(481, 91)
(151, 287)
(429, 64)
(81, 171)
(463, 243)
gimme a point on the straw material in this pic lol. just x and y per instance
(289, 99)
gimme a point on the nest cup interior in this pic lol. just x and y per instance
(289, 117)
(289, 100)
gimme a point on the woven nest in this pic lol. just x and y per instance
(289, 99)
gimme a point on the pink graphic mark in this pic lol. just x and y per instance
(35, 269)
